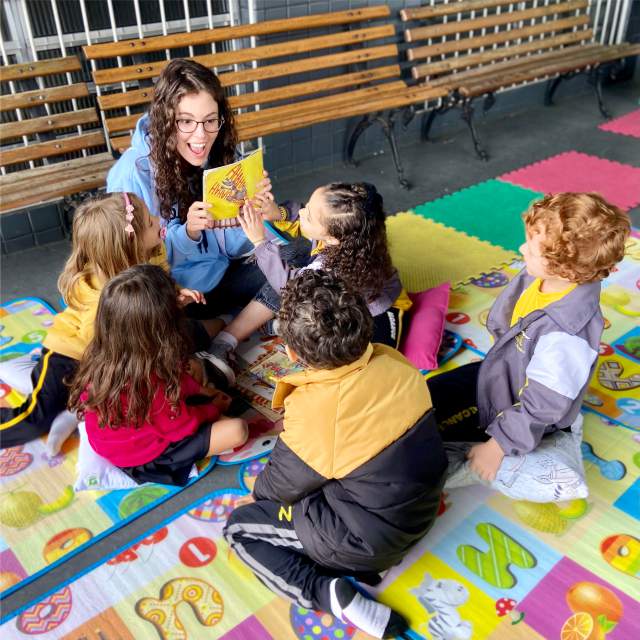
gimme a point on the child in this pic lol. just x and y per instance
(346, 224)
(110, 234)
(134, 390)
(355, 479)
(547, 327)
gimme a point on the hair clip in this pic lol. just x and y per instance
(128, 207)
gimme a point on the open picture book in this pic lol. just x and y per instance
(227, 187)
(258, 382)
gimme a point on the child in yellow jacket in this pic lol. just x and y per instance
(356, 476)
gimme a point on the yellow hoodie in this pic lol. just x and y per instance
(336, 420)
(72, 329)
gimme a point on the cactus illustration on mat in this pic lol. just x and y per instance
(493, 565)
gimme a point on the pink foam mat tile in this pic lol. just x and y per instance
(627, 125)
(574, 171)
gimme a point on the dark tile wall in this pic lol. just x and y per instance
(25, 229)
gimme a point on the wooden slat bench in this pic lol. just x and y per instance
(48, 124)
(323, 67)
(476, 48)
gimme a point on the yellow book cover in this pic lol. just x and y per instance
(226, 188)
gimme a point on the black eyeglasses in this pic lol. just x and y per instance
(212, 125)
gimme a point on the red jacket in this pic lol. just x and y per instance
(127, 446)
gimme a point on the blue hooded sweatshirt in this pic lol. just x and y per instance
(194, 264)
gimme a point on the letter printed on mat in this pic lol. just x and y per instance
(493, 565)
(494, 553)
(205, 601)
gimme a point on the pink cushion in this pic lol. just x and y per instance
(426, 324)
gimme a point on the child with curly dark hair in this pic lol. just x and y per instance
(346, 226)
(143, 411)
(547, 327)
(356, 476)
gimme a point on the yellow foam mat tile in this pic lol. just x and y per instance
(427, 253)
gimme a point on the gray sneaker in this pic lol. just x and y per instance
(217, 364)
(269, 328)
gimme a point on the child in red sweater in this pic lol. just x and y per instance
(143, 410)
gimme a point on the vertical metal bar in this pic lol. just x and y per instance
(254, 63)
(624, 21)
(596, 20)
(210, 18)
(136, 8)
(605, 22)
(114, 31)
(232, 15)
(614, 23)
(87, 33)
(163, 19)
(63, 50)
(187, 20)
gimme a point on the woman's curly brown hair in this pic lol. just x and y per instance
(355, 217)
(585, 236)
(180, 78)
(139, 343)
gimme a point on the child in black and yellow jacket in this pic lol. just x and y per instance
(356, 476)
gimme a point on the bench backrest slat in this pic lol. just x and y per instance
(47, 123)
(506, 18)
(52, 148)
(451, 8)
(209, 36)
(27, 70)
(28, 99)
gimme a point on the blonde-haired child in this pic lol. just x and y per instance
(110, 234)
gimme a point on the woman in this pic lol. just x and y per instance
(189, 128)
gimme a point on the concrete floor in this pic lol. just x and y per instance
(436, 168)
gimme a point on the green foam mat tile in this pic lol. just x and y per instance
(490, 211)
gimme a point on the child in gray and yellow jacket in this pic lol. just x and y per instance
(547, 327)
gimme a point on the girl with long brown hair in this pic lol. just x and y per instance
(143, 411)
(189, 128)
(110, 234)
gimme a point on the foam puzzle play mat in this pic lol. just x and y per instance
(491, 567)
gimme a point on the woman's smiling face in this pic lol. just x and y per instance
(194, 147)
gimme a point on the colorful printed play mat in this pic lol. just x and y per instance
(490, 568)
(43, 521)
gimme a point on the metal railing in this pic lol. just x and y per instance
(34, 30)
